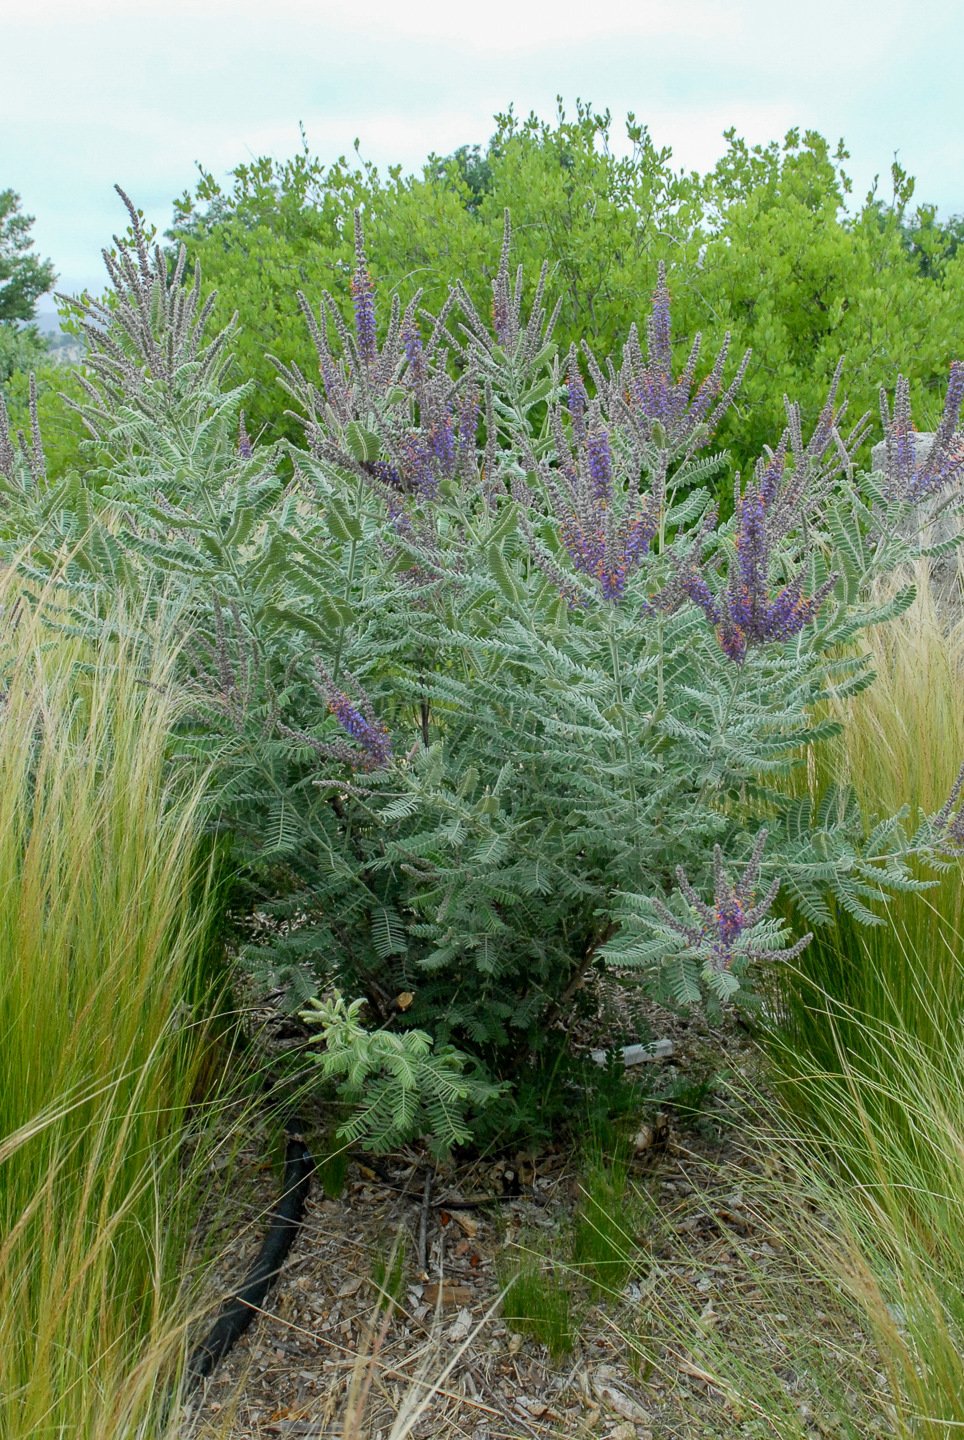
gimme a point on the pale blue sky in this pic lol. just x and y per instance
(98, 91)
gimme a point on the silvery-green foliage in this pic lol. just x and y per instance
(402, 1084)
(484, 675)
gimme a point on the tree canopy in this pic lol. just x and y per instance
(762, 246)
(23, 276)
(23, 279)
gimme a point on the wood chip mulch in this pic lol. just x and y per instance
(330, 1359)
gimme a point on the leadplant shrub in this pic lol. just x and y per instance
(497, 698)
(399, 1083)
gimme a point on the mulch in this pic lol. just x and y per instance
(330, 1358)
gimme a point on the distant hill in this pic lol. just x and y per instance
(47, 321)
(62, 349)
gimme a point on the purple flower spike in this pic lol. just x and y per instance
(769, 472)
(609, 553)
(652, 394)
(606, 527)
(911, 475)
(385, 473)
(504, 316)
(468, 422)
(748, 595)
(722, 928)
(659, 329)
(371, 747)
(442, 443)
(359, 722)
(419, 470)
(600, 464)
(700, 593)
(744, 613)
(414, 354)
(577, 400)
(363, 297)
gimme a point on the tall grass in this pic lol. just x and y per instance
(867, 1282)
(106, 909)
(894, 1189)
(868, 1050)
(902, 743)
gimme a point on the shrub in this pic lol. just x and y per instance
(497, 698)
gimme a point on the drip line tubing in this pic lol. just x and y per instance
(238, 1311)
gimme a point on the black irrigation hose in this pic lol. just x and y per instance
(238, 1312)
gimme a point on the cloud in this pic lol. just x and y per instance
(106, 90)
(502, 26)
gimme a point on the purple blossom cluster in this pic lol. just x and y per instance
(649, 394)
(421, 471)
(371, 748)
(744, 612)
(605, 530)
(426, 426)
(721, 927)
(516, 339)
(424, 458)
(355, 375)
(912, 474)
(374, 745)
(609, 553)
(948, 826)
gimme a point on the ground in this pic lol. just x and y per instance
(721, 1330)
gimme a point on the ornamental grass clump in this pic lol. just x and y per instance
(858, 984)
(107, 911)
(484, 669)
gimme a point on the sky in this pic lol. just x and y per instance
(94, 92)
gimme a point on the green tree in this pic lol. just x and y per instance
(23, 279)
(763, 246)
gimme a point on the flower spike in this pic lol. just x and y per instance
(723, 929)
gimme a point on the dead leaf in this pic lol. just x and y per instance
(696, 1373)
(654, 1136)
(447, 1293)
(460, 1327)
(610, 1394)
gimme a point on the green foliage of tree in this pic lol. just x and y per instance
(795, 279)
(58, 389)
(22, 348)
(761, 246)
(23, 277)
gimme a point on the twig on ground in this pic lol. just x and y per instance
(423, 1225)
